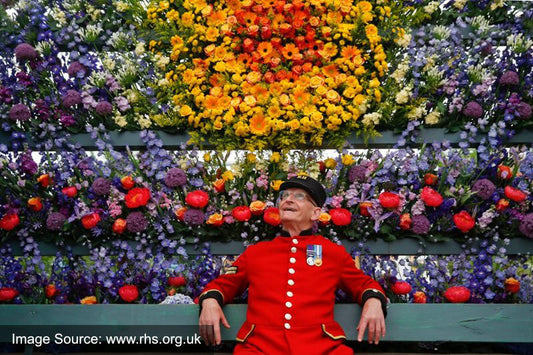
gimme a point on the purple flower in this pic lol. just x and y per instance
(74, 68)
(175, 177)
(104, 108)
(420, 224)
(526, 225)
(25, 51)
(101, 186)
(71, 98)
(67, 120)
(135, 222)
(524, 110)
(27, 164)
(509, 78)
(357, 173)
(484, 188)
(194, 217)
(19, 112)
(55, 221)
(473, 109)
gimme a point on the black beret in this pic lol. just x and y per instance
(310, 185)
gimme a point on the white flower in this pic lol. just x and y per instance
(459, 4)
(518, 43)
(144, 122)
(400, 72)
(90, 33)
(121, 6)
(496, 4)
(481, 24)
(59, 16)
(161, 61)
(404, 40)
(139, 48)
(431, 7)
(441, 32)
(44, 47)
(403, 96)
(108, 63)
(120, 120)
(416, 113)
(371, 119)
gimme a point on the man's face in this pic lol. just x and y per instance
(296, 206)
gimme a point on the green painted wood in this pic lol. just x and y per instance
(387, 139)
(509, 323)
(377, 247)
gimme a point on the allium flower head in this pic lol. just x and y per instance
(19, 112)
(74, 68)
(357, 173)
(25, 51)
(509, 78)
(71, 98)
(473, 110)
(484, 188)
(55, 221)
(135, 222)
(524, 110)
(175, 177)
(526, 225)
(420, 224)
(194, 217)
(104, 108)
(101, 186)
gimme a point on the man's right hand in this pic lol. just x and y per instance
(210, 319)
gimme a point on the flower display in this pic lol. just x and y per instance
(128, 293)
(457, 294)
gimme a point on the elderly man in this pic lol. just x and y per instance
(291, 283)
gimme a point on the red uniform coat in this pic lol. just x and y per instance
(290, 303)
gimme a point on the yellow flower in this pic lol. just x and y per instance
(275, 184)
(187, 19)
(215, 219)
(364, 6)
(227, 175)
(347, 160)
(367, 17)
(212, 34)
(371, 31)
(274, 111)
(241, 129)
(330, 163)
(275, 157)
(207, 157)
(374, 83)
(333, 96)
(251, 158)
(89, 300)
(185, 110)
(259, 124)
(329, 50)
(294, 124)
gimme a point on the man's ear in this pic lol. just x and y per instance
(316, 213)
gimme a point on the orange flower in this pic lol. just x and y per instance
(219, 185)
(265, 49)
(505, 172)
(300, 97)
(512, 285)
(331, 71)
(257, 207)
(271, 216)
(216, 220)
(259, 124)
(276, 184)
(180, 212)
(363, 208)
(35, 204)
(127, 182)
(89, 300)
(371, 30)
(137, 197)
(290, 51)
(350, 52)
(90, 221)
(211, 102)
(324, 218)
(249, 18)
(217, 18)
(217, 80)
(119, 226)
(45, 180)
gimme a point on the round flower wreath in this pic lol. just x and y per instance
(269, 73)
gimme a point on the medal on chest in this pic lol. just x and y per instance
(314, 255)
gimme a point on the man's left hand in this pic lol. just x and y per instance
(373, 318)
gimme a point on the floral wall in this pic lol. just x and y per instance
(267, 77)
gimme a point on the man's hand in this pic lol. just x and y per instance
(373, 318)
(210, 319)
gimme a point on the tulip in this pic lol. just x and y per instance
(512, 285)
(257, 207)
(324, 219)
(464, 221)
(89, 300)
(119, 226)
(340, 216)
(128, 293)
(137, 197)
(176, 281)
(405, 221)
(363, 208)
(401, 288)
(216, 220)
(70, 191)
(241, 213)
(35, 204)
(45, 180)
(502, 205)
(430, 179)
(220, 185)
(90, 221)
(431, 197)
(180, 212)
(271, 216)
(7, 294)
(50, 291)
(504, 172)
(127, 182)
(9, 221)
(419, 297)
(457, 294)
(514, 194)
(197, 199)
(389, 199)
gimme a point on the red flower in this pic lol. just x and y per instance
(514, 194)
(430, 179)
(241, 213)
(512, 285)
(401, 288)
(431, 197)
(340, 216)
(419, 297)
(405, 221)
(272, 217)
(322, 166)
(128, 293)
(9, 221)
(45, 180)
(464, 221)
(50, 291)
(363, 208)
(389, 199)
(7, 294)
(504, 172)
(137, 197)
(127, 182)
(219, 185)
(176, 281)
(457, 294)
(197, 199)
(35, 204)
(502, 205)
(119, 226)
(90, 221)
(70, 191)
